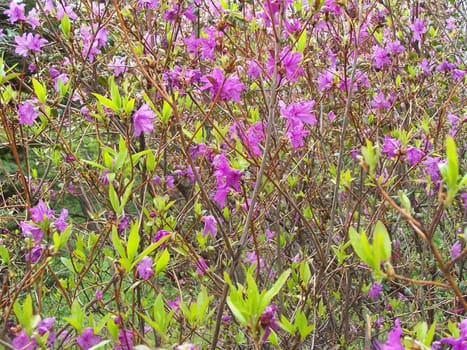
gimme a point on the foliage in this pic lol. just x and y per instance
(232, 174)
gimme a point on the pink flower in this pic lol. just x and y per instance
(325, 80)
(380, 101)
(418, 29)
(301, 111)
(40, 212)
(202, 267)
(210, 226)
(15, 12)
(230, 88)
(456, 250)
(289, 61)
(31, 230)
(394, 338)
(226, 178)
(414, 155)
(118, 65)
(375, 290)
(28, 42)
(88, 339)
(144, 268)
(391, 147)
(380, 56)
(27, 113)
(142, 120)
(60, 223)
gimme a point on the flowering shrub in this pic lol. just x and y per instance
(232, 174)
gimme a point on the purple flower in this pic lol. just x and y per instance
(210, 226)
(88, 339)
(201, 266)
(159, 235)
(458, 343)
(380, 101)
(325, 80)
(28, 42)
(252, 259)
(31, 230)
(143, 120)
(414, 155)
(268, 320)
(170, 181)
(254, 69)
(99, 294)
(396, 47)
(118, 65)
(15, 12)
(432, 167)
(301, 111)
(226, 178)
(22, 341)
(296, 133)
(375, 290)
(123, 223)
(289, 61)
(27, 113)
(456, 250)
(144, 268)
(391, 147)
(380, 56)
(418, 28)
(394, 338)
(60, 223)
(40, 212)
(174, 304)
(45, 326)
(445, 66)
(35, 253)
(125, 340)
(230, 88)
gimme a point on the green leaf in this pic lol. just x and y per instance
(236, 311)
(301, 44)
(381, 243)
(361, 246)
(133, 241)
(106, 102)
(149, 250)
(4, 255)
(39, 90)
(276, 287)
(162, 261)
(66, 25)
(117, 243)
(113, 197)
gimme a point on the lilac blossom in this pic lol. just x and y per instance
(88, 339)
(28, 42)
(210, 226)
(27, 113)
(144, 268)
(143, 120)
